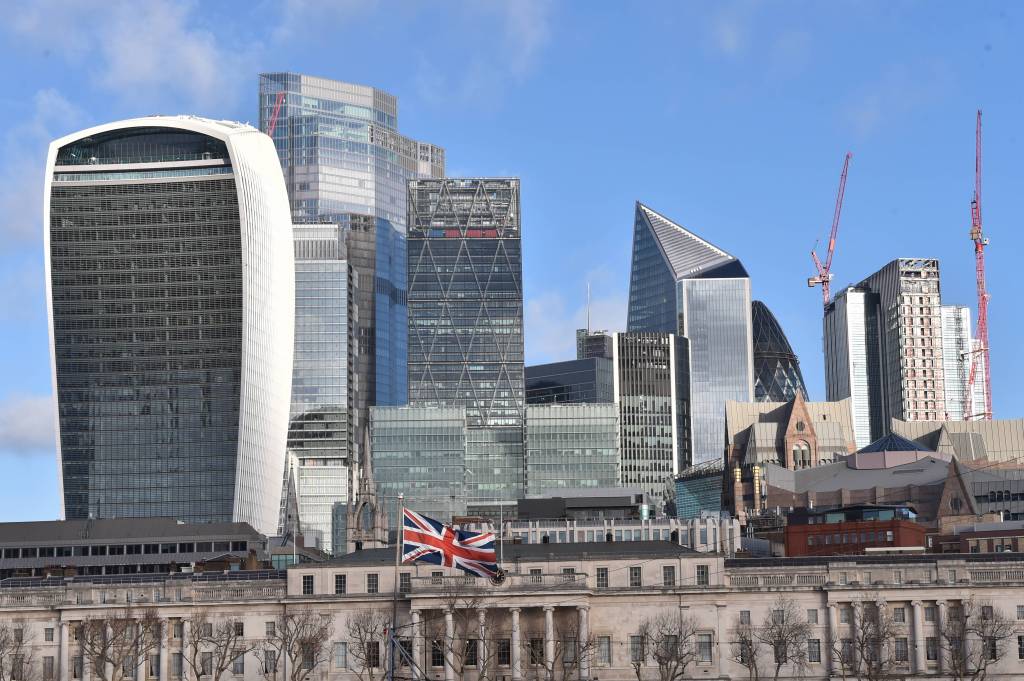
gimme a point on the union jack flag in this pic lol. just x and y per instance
(429, 541)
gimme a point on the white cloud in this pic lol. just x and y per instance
(149, 52)
(898, 91)
(26, 425)
(551, 325)
(298, 17)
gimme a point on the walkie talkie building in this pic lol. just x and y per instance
(170, 291)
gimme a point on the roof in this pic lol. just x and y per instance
(220, 129)
(740, 416)
(686, 253)
(91, 531)
(893, 443)
(996, 440)
(833, 477)
(623, 550)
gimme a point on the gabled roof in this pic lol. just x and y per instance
(893, 443)
(687, 254)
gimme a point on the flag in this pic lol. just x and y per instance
(429, 541)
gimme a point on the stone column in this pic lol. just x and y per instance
(417, 645)
(186, 631)
(583, 649)
(449, 644)
(165, 635)
(720, 643)
(549, 640)
(833, 639)
(63, 656)
(858, 619)
(919, 650)
(943, 619)
(516, 651)
(481, 642)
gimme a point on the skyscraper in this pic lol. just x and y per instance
(959, 352)
(466, 322)
(681, 284)
(777, 376)
(170, 291)
(884, 347)
(571, 446)
(575, 381)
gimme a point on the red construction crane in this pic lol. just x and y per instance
(824, 276)
(980, 242)
(273, 116)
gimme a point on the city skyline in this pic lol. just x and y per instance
(906, 111)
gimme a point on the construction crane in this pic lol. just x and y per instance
(824, 276)
(273, 116)
(980, 242)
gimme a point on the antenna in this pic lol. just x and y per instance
(588, 308)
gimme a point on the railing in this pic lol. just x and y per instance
(996, 575)
(776, 580)
(238, 593)
(460, 583)
(31, 600)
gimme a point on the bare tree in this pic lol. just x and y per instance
(367, 630)
(974, 638)
(115, 645)
(747, 649)
(868, 653)
(17, 654)
(472, 645)
(571, 650)
(670, 638)
(297, 645)
(784, 632)
(212, 645)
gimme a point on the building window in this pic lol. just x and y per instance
(986, 612)
(153, 665)
(341, 655)
(238, 665)
(744, 617)
(929, 613)
(899, 615)
(991, 648)
(177, 662)
(269, 662)
(602, 578)
(1020, 647)
(536, 651)
(668, 575)
(239, 628)
(844, 615)
(48, 668)
(536, 576)
(404, 583)
(778, 616)
(813, 650)
(340, 584)
(205, 664)
(77, 665)
(436, 653)
(703, 575)
(307, 585)
(504, 652)
(931, 648)
(812, 616)
(48, 634)
(471, 656)
(636, 649)
(568, 574)
(897, 575)
(1020, 612)
(604, 650)
(372, 583)
(373, 654)
(704, 648)
(271, 629)
(901, 650)
(635, 578)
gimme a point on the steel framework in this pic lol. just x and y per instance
(980, 242)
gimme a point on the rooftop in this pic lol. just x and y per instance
(91, 531)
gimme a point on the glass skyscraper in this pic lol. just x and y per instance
(170, 296)
(682, 284)
(575, 381)
(571, 446)
(777, 376)
(466, 322)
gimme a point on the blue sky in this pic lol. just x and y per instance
(729, 117)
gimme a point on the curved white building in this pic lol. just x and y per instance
(170, 293)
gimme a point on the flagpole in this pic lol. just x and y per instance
(394, 598)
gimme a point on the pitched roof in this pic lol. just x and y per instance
(687, 254)
(893, 443)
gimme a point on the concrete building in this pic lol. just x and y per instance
(554, 596)
(170, 295)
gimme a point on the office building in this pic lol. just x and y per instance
(593, 344)
(170, 282)
(699, 490)
(571, 446)
(577, 381)
(884, 347)
(777, 376)
(682, 284)
(466, 322)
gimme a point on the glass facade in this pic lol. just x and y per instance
(851, 360)
(777, 376)
(420, 452)
(466, 321)
(699, 489)
(652, 283)
(149, 262)
(578, 381)
(571, 446)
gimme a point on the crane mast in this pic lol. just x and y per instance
(824, 276)
(977, 236)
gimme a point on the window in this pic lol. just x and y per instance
(635, 578)
(636, 649)
(844, 578)
(951, 576)
(238, 665)
(340, 584)
(504, 652)
(704, 648)
(536, 651)
(48, 668)
(602, 578)
(778, 616)
(897, 575)
(814, 650)
(703, 575)
(845, 615)
(668, 575)
(437, 577)
(404, 583)
(177, 663)
(846, 651)
(931, 648)
(207, 629)
(569, 651)
(1020, 647)
(604, 650)
(568, 574)
(153, 665)
(239, 628)
(48, 634)
(899, 615)
(436, 653)
(77, 664)
(780, 653)
(901, 651)
(471, 656)
(307, 585)
(19, 635)
(812, 616)
(536, 576)
(930, 613)
(271, 629)
(986, 612)
(372, 654)
(372, 583)
(205, 664)
(1020, 612)
(744, 617)
(991, 649)
(269, 661)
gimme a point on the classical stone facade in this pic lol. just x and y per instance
(568, 611)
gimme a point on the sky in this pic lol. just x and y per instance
(731, 118)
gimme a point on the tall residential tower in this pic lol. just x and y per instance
(170, 280)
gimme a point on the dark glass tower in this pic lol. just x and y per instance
(466, 321)
(777, 376)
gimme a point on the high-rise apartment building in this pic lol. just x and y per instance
(681, 284)
(466, 322)
(884, 347)
(170, 283)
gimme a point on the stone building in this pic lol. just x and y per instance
(565, 611)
